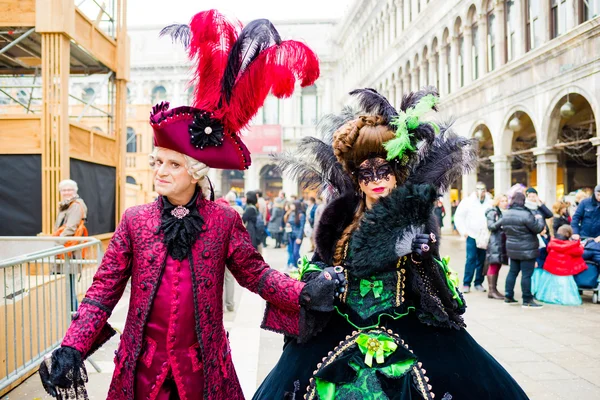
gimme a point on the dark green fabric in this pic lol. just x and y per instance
(369, 305)
(455, 363)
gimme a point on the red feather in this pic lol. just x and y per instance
(212, 37)
(276, 69)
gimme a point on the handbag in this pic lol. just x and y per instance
(483, 239)
(80, 231)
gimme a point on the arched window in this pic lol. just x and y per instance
(131, 144)
(589, 9)
(558, 18)
(159, 93)
(491, 37)
(88, 94)
(448, 68)
(511, 29)
(533, 34)
(130, 179)
(129, 97)
(190, 95)
(309, 104)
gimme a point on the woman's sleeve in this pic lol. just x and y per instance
(72, 218)
(493, 224)
(535, 223)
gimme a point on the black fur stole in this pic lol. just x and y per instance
(393, 220)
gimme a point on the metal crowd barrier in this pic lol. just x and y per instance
(39, 292)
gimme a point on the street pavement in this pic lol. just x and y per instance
(552, 352)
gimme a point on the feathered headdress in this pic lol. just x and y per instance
(234, 71)
(427, 152)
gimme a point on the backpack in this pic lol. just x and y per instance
(259, 226)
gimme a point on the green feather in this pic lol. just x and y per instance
(406, 122)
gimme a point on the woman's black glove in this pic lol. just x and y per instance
(422, 245)
(63, 374)
(319, 293)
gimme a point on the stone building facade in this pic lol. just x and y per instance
(520, 76)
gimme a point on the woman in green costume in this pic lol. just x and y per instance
(397, 330)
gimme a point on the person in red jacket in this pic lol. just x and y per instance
(175, 249)
(554, 282)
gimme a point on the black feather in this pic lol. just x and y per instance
(315, 167)
(330, 123)
(374, 103)
(445, 160)
(178, 32)
(256, 37)
(411, 99)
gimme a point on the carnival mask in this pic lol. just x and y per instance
(374, 169)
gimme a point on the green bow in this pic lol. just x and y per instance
(305, 266)
(366, 286)
(452, 279)
(378, 346)
(407, 121)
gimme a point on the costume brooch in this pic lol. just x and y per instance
(180, 212)
(205, 131)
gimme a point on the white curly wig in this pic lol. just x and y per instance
(195, 168)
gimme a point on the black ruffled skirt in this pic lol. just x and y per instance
(456, 366)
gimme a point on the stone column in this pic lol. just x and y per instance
(424, 75)
(454, 65)
(502, 173)
(414, 78)
(483, 68)
(447, 229)
(520, 31)
(469, 182)
(501, 33)
(399, 94)
(443, 70)
(386, 32)
(290, 186)
(547, 162)
(596, 142)
(251, 178)
(399, 17)
(468, 53)
(392, 20)
(544, 20)
(432, 69)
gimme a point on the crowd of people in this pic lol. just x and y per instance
(288, 221)
(556, 251)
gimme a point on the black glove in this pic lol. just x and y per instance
(319, 294)
(422, 244)
(64, 369)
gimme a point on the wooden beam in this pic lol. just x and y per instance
(19, 13)
(95, 41)
(92, 146)
(20, 134)
(55, 122)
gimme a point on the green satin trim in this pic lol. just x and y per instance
(398, 369)
(375, 346)
(452, 279)
(394, 316)
(366, 286)
(304, 267)
(326, 390)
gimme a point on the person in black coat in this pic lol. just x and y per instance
(521, 226)
(496, 250)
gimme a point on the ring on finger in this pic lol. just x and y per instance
(424, 248)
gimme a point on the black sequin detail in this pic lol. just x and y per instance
(205, 131)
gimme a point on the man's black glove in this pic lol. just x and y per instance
(319, 293)
(63, 374)
(423, 244)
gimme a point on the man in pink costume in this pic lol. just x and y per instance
(176, 249)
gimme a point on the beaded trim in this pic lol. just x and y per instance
(417, 372)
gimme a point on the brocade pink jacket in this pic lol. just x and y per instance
(136, 251)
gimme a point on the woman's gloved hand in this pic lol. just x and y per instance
(319, 294)
(422, 244)
(63, 371)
